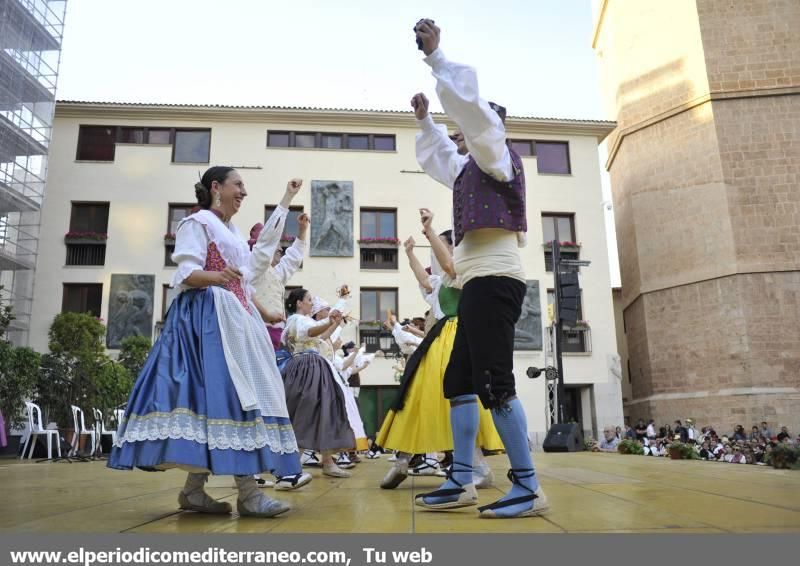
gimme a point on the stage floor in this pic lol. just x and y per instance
(588, 493)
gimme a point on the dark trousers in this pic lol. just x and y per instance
(482, 361)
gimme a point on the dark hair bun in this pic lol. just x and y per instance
(291, 300)
(203, 195)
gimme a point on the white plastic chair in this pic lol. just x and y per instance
(36, 428)
(100, 428)
(79, 424)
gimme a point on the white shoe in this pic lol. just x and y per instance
(540, 506)
(262, 483)
(466, 498)
(344, 462)
(288, 483)
(483, 479)
(372, 455)
(428, 467)
(396, 475)
(392, 458)
(309, 459)
(261, 506)
(335, 472)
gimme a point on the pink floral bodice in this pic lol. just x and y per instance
(214, 262)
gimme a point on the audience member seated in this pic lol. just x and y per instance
(609, 442)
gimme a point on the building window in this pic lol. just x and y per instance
(374, 306)
(191, 146)
(378, 240)
(159, 136)
(131, 135)
(523, 147)
(292, 227)
(560, 227)
(177, 212)
(331, 140)
(383, 143)
(96, 143)
(89, 217)
(82, 297)
(574, 338)
(88, 230)
(553, 157)
(357, 142)
(279, 139)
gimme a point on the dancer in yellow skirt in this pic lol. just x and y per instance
(419, 420)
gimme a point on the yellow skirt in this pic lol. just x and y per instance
(423, 425)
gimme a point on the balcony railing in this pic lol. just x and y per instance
(86, 254)
(378, 339)
(379, 258)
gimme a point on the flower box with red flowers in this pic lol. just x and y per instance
(96, 238)
(379, 242)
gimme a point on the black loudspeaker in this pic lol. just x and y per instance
(563, 438)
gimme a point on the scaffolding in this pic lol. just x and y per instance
(30, 53)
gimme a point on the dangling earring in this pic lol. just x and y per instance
(218, 202)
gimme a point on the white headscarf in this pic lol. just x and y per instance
(317, 305)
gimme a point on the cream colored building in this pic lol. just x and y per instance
(126, 159)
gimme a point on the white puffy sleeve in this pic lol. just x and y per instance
(191, 248)
(291, 261)
(484, 133)
(268, 241)
(437, 154)
(306, 323)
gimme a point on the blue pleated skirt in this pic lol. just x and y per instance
(184, 410)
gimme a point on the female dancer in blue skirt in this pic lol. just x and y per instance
(210, 398)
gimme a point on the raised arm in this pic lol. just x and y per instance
(270, 237)
(457, 87)
(293, 258)
(443, 255)
(416, 266)
(436, 153)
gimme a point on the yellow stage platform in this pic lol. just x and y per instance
(588, 493)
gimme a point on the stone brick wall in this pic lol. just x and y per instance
(759, 148)
(752, 44)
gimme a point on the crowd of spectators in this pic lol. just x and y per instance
(740, 447)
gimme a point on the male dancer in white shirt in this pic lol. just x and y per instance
(488, 227)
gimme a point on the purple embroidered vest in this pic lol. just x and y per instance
(481, 201)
